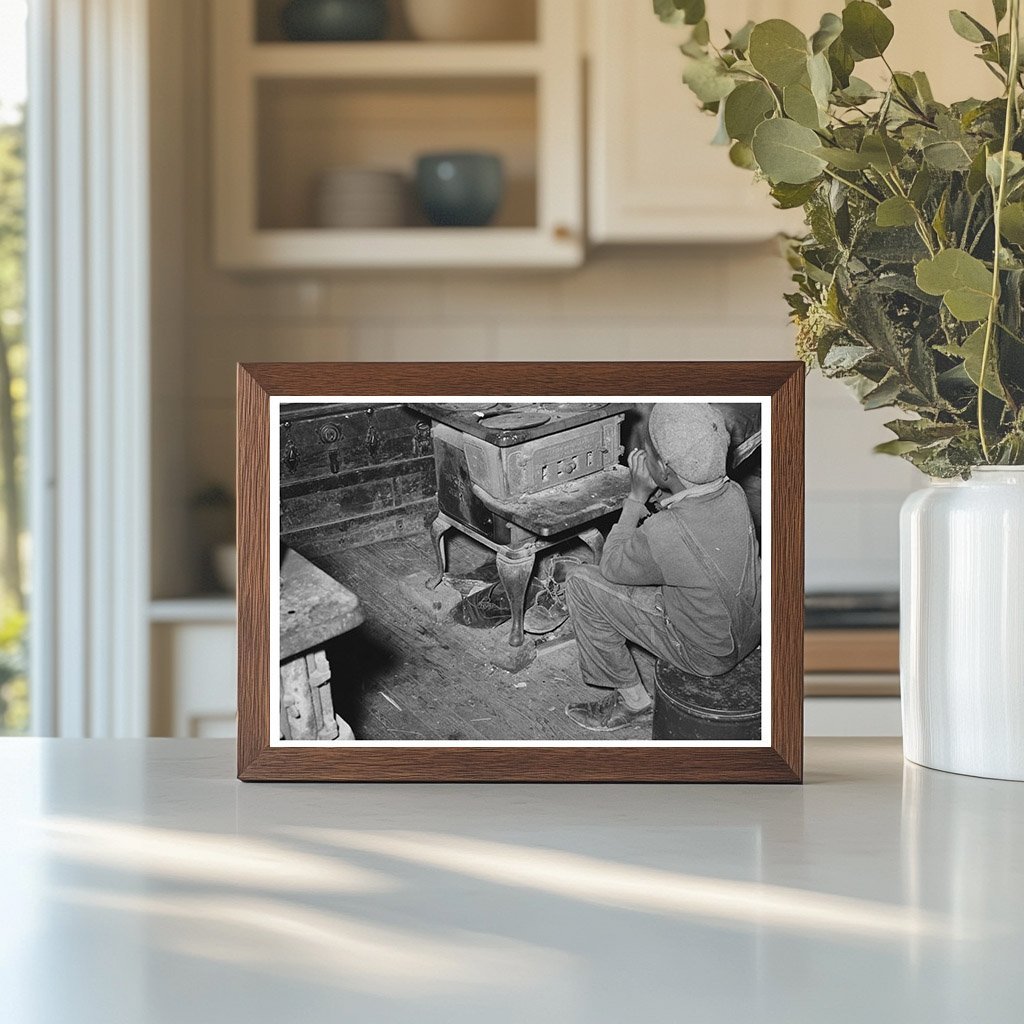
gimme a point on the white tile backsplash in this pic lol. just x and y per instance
(718, 302)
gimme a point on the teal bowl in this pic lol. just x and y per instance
(460, 190)
(334, 21)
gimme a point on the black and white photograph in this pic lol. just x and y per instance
(460, 570)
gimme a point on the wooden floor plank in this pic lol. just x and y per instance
(402, 676)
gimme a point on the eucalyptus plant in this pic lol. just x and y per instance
(910, 278)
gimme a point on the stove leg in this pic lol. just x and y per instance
(438, 528)
(595, 541)
(515, 567)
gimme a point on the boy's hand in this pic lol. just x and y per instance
(642, 484)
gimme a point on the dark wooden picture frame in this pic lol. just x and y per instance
(781, 760)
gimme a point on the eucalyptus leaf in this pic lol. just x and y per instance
(785, 152)
(844, 159)
(895, 447)
(994, 169)
(866, 30)
(947, 156)
(745, 108)
(963, 281)
(907, 89)
(883, 153)
(858, 91)
(976, 173)
(739, 41)
(1012, 225)
(924, 87)
(744, 68)
(969, 28)
(884, 395)
(842, 61)
(800, 105)
(921, 185)
(895, 212)
(708, 80)
(819, 75)
(972, 353)
(695, 11)
(668, 11)
(829, 30)
(789, 197)
(779, 51)
(741, 155)
(923, 431)
(675, 12)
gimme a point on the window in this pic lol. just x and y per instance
(14, 704)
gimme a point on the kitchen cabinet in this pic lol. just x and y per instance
(192, 654)
(653, 175)
(287, 113)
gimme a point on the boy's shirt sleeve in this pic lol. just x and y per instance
(627, 556)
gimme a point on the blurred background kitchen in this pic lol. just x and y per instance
(370, 180)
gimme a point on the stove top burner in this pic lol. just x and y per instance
(508, 423)
(514, 420)
(466, 407)
(572, 407)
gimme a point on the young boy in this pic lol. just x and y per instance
(684, 583)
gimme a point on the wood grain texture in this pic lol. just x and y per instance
(781, 762)
(252, 482)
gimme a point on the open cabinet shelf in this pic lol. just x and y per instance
(287, 114)
(394, 59)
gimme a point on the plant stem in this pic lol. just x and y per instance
(993, 309)
(969, 218)
(856, 188)
(771, 89)
(977, 238)
(923, 228)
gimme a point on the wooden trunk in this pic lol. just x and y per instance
(353, 475)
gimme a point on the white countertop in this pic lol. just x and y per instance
(143, 885)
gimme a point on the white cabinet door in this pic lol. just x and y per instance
(653, 174)
(193, 679)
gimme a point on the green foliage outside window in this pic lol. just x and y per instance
(13, 411)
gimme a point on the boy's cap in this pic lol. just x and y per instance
(691, 439)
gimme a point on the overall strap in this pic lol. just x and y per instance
(740, 611)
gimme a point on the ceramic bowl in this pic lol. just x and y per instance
(334, 20)
(460, 189)
(357, 197)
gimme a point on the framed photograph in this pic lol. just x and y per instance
(520, 572)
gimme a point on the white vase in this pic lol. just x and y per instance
(962, 624)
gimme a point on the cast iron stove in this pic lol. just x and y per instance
(522, 477)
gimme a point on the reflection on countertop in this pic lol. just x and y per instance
(178, 894)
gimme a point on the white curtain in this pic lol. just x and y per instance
(88, 318)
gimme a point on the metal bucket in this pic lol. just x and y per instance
(727, 707)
